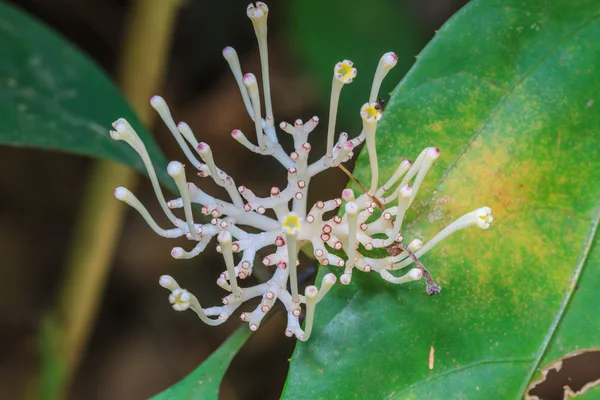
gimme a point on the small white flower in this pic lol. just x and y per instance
(295, 224)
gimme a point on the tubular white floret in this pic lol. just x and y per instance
(159, 104)
(370, 115)
(258, 15)
(311, 294)
(232, 59)
(124, 131)
(413, 275)
(386, 63)
(177, 172)
(225, 240)
(362, 222)
(343, 74)
(126, 196)
(291, 227)
(352, 218)
(187, 133)
(482, 217)
(405, 194)
(252, 86)
(181, 300)
(219, 177)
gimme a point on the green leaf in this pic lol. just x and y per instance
(592, 393)
(203, 383)
(54, 97)
(326, 32)
(509, 91)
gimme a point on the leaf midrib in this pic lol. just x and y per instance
(507, 360)
(593, 231)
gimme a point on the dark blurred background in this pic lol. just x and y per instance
(139, 345)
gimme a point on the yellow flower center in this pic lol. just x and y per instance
(291, 224)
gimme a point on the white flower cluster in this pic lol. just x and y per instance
(293, 226)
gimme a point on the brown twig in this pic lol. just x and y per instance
(432, 287)
(377, 202)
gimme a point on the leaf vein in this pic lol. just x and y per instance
(508, 360)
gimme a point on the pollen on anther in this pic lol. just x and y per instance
(325, 237)
(363, 227)
(298, 196)
(235, 247)
(270, 295)
(279, 241)
(337, 219)
(296, 312)
(266, 261)
(327, 228)
(310, 218)
(320, 204)
(318, 253)
(245, 265)
(282, 265)
(301, 184)
(265, 308)
(260, 210)
(275, 191)
(294, 155)
(337, 245)
(387, 216)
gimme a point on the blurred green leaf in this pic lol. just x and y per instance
(326, 32)
(509, 91)
(55, 98)
(203, 383)
(53, 366)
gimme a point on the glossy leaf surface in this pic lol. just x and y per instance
(203, 383)
(53, 97)
(509, 92)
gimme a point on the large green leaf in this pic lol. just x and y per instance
(509, 91)
(53, 97)
(203, 383)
